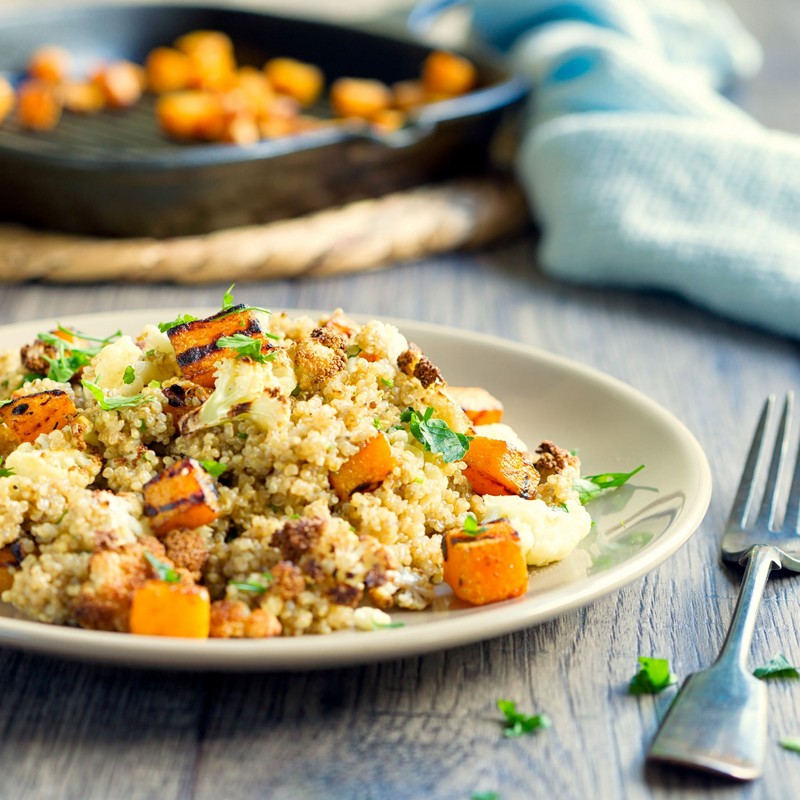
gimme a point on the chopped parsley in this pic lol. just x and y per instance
(435, 435)
(5, 472)
(254, 587)
(113, 403)
(129, 376)
(593, 486)
(70, 357)
(353, 351)
(181, 319)
(653, 677)
(245, 347)
(377, 424)
(471, 526)
(517, 723)
(484, 796)
(164, 571)
(790, 743)
(777, 667)
(214, 468)
(380, 626)
(229, 304)
(387, 382)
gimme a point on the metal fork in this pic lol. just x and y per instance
(718, 720)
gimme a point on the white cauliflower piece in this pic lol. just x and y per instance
(367, 619)
(72, 467)
(259, 391)
(499, 430)
(547, 534)
(111, 363)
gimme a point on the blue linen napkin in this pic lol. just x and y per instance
(640, 173)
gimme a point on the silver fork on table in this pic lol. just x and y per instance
(718, 720)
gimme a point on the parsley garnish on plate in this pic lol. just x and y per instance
(112, 403)
(777, 667)
(381, 626)
(517, 723)
(254, 587)
(435, 435)
(181, 319)
(790, 743)
(214, 468)
(484, 796)
(70, 356)
(245, 347)
(164, 571)
(593, 486)
(129, 376)
(471, 527)
(5, 472)
(653, 676)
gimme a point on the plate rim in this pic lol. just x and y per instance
(352, 647)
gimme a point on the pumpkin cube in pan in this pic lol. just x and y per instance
(183, 496)
(480, 406)
(196, 347)
(33, 414)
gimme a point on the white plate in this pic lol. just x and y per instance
(613, 427)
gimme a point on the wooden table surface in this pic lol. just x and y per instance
(427, 727)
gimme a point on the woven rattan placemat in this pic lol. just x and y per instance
(363, 235)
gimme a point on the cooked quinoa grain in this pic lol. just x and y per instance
(294, 484)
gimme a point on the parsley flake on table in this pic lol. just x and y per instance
(790, 743)
(245, 347)
(5, 472)
(129, 376)
(214, 468)
(113, 403)
(164, 571)
(593, 486)
(435, 435)
(653, 676)
(777, 667)
(517, 723)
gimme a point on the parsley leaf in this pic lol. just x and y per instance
(593, 486)
(227, 298)
(71, 357)
(113, 403)
(653, 677)
(245, 347)
(790, 743)
(484, 796)
(435, 435)
(517, 723)
(387, 382)
(471, 526)
(164, 571)
(214, 468)
(777, 667)
(5, 472)
(353, 351)
(181, 319)
(129, 376)
(253, 586)
(381, 626)
(229, 304)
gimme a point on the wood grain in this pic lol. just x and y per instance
(428, 727)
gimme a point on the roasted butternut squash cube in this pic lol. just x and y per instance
(496, 467)
(7, 98)
(43, 412)
(212, 57)
(38, 105)
(480, 406)
(448, 74)
(196, 347)
(191, 115)
(121, 82)
(49, 63)
(360, 97)
(183, 496)
(487, 566)
(303, 82)
(171, 609)
(10, 558)
(364, 471)
(82, 97)
(168, 70)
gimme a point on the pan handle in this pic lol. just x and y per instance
(422, 17)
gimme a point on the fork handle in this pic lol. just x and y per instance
(761, 560)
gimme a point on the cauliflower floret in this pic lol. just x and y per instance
(111, 363)
(547, 534)
(499, 430)
(70, 466)
(249, 388)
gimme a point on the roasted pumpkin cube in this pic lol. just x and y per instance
(121, 82)
(168, 70)
(33, 414)
(171, 609)
(253, 91)
(10, 558)
(408, 95)
(191, 115)
(212, 57)
(365, 470)
(496, 467)
(7, 98)
(480, 406)
(196, 347)
(448, 74)
(304, 82)
(388, 120)
(360, 97)
(49, 63)
(487, 566)
(83, 97)
(183, 496)
(38, 105)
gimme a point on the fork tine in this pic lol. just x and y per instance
(770, 503)
(743, 500)
(793, 506)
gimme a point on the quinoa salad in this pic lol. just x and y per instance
(253, 474)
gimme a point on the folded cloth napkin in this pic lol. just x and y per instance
(640, 173)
